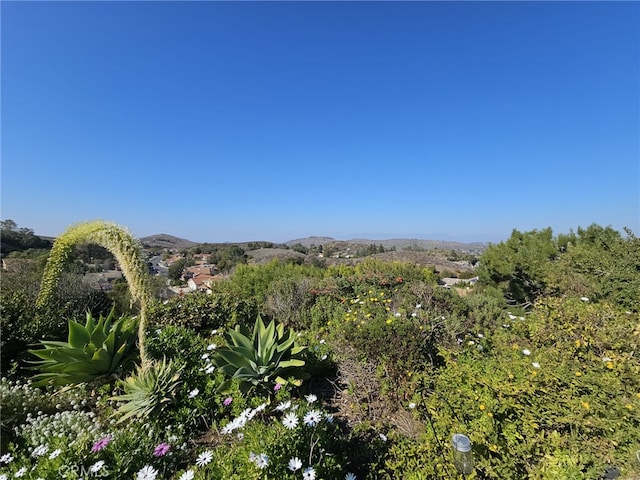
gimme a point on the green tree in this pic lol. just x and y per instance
(520, 265)
(176, 268)
(228, 257)
(599, 263)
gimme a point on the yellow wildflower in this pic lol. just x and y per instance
(586, 405)
(482, 407)
(493, 447)
(609, 365)
(628, 406)
(578, 374)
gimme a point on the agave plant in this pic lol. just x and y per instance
(93, 351)
(261, 357)
(149, 390)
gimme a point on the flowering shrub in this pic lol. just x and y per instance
(402, 364)
(555, 396)
(293, 439)
(19, 399)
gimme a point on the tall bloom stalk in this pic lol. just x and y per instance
(122, 245)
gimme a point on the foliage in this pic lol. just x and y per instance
(149, 390)
(600, 264)
(258, 359)
(197, 397)
(22, 324)
(290, 301)
(16, 239)
(546, 389)
(227, 257)
(19, 399)
(253, 282)
(263, 444)
(200, 311)
(176, 269)
(93, 351)
(519, 266)
(552, 395)
(124, 247)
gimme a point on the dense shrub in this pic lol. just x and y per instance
(538, 396)
(200, 311)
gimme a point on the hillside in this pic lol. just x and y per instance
(164, 240)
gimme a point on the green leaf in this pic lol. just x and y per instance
(232, 357)
(90, 324)
(239, 339)
(78, 335)
(102, 360)
(292, 363)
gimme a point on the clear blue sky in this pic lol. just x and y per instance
(238, 121)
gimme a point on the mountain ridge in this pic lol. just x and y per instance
(165, 240)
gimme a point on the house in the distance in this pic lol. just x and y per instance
(202, 282)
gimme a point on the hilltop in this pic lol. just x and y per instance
(164, 240)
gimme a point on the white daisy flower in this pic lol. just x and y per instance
(282, 406)
(309, 474)
(526, 351)
(194, 392)
(350, 476)
(188, 475)
(295, 464)
(147, 473)
(311, 398)
(290, 420)
(262, 461)
(312, 418)
(96, 467)
(204, 458)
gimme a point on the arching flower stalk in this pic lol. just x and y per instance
(122, 245)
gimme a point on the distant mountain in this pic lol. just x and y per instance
(164, 240)
(398, 243)
(418, 244)
(308, 241)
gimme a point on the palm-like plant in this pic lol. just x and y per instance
(257, 358)
(149, 390)
(93, 351)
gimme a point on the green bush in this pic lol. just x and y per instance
(263, 443)
(148, 391)
(260, 359)
(199, 311)
(554, 394)
(92, 352)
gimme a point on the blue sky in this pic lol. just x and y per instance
(239, 121)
